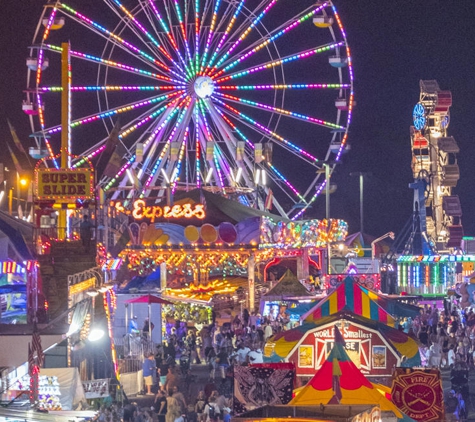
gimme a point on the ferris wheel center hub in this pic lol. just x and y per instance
(204, 86)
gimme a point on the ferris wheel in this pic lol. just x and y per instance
(435, 168)
(250, 99)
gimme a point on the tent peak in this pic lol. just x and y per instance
(338, 337)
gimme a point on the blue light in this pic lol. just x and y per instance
(418, 116)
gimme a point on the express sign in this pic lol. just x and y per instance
(64, 184)
(141, 210)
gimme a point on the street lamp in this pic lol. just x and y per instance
(326, 167)
(361, 175)
(95, 334)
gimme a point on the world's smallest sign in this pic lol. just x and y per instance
(64, 184)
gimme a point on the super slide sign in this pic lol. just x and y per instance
(64, 184)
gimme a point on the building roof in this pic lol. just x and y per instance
(219, 209)
(19, 234)
(288, 286)
(350, 296)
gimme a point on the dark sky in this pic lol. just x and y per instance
(394, 44)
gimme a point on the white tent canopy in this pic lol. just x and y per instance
(70, 386)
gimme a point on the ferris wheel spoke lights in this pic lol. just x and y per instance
(226, 96)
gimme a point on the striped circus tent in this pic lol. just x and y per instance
(339, 381)
(352, 297)
(280, 346)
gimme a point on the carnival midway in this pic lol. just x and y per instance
(164, 266)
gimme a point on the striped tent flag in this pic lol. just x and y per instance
(16, 163)
(36, 342)
(31, 360)
(270, 197)
(16, 140)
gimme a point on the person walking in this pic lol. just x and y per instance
(200, 405)
(451, 403)
(173, 408)
(222, 360)
(171, 380)
(85, 232)
(163, 370)
(212, 412)
(461, 410)
(160, 405)
(180, 398)
(149, 371)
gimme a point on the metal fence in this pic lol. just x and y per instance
(131, 351)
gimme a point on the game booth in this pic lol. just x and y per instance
(204, 238)
(431, 274)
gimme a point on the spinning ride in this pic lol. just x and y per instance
(245, 98)
(435, 169)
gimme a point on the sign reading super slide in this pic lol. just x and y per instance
(64, 184)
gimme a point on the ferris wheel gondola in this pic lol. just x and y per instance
(245, 98)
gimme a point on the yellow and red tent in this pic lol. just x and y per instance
(339, 381)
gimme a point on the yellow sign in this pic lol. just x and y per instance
(306, 355)
(64, 184)
(82, 286)
(141, 210)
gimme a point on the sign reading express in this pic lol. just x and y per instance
(141, 210)
(64, 184)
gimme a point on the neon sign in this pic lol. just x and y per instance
(64, 183)
(141, 210)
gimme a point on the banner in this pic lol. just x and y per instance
(418, 393)
(209, 150)
(258, 157)
(261, 385)
(268, 147)
(96, 388)
(138, 152)
(16, 140)
(240, 145)
(16, 163)
(174, 150)
(115, 161)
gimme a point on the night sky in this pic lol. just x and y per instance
(394, 44)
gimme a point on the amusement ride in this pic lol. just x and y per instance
(435, 170)
(247, 99)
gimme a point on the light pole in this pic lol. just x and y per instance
(361, 175)
(326, 167)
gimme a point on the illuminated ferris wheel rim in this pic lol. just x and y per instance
(206, 90)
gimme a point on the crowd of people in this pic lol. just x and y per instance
(168, 373)
(447, 339)
(446, 336)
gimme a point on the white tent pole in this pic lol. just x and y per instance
(149, 318)
(126, 319)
